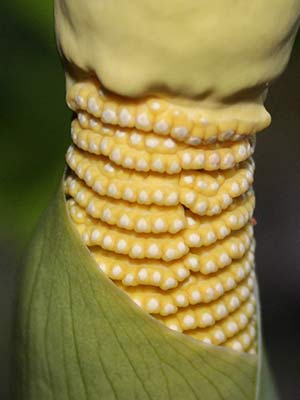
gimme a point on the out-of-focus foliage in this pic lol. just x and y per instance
(34, 118)
(36, 14)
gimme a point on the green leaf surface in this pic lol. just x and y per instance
(82, 338)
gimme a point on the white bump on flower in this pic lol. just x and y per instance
(182, 273)
(186, 158)
(236, 345)
(124, 221)
(201, 207)
(235, 188)
(211, 237)
(143, 120)
(156, 277)
(129, 279)
(234, 302)
(91, 208)
(128, 162)
(153, 250)
(109, 168)
(233, 219)
(152, 142)
(102, 266)
(143, 196)
(174, 327)
(107, 241)
(214, 159)
(219, 335)
(116, 271)
(170, 254)
(188, 179)
(157, 165)
(93, 106)
(215, 186)
(181, 299)
(169, 143)
(174, 167)
(143, 274)
(158, 195)
(222, 311)
(159, 224)
(228, 160)
(172, 198)
(193, 263)
(79, 100)
(242, 150)
(194, 141)
(209, 293)
(153, 305)
(199, 159)
(125, 117)
(189, 321)
(207, 319)
(155, 106)
(177, 225)
(112, 190)
(196, 296)
(210, 266)
(142, 165)
(108, 115)
(95, 235)
(234, 248)
(161, 127)
(136, 250)
(170, 283)
(121, 245)
(98, 187)
(120, 134)
(116, 155)
(226, 199)
(135, 138)
(189, 197)
(224, 231)
(180, 132)
(169, 309)
(181, 246)
(142, 225)
(232, 327)
(194, 239)
(128, 194)
(201, 184)
(230, 283)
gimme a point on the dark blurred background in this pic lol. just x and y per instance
(34, 127)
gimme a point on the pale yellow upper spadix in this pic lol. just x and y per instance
(206, 50)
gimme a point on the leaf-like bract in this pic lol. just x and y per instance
(79, 337)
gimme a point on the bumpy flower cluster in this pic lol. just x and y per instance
(163, 199)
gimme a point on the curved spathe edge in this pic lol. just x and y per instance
(265, 388)
(80, 337)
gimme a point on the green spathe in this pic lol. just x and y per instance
(81, 338)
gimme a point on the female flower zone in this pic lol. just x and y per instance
(140, 282)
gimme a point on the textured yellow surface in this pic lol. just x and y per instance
(167, 218)
(192, 125)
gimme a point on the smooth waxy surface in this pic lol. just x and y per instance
(207, 50)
